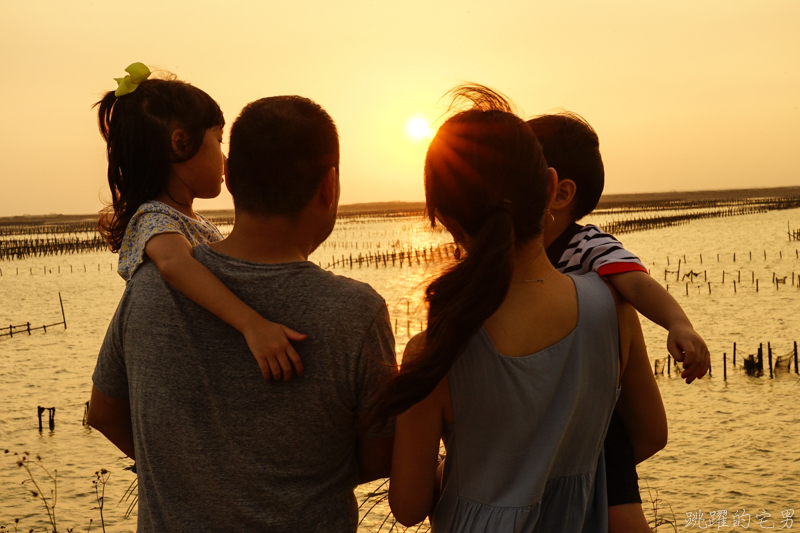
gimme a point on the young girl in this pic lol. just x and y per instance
(164, 141)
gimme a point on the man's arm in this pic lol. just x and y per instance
(112, 417)
(377, 367)
(374, 458)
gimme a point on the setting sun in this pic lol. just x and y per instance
(418, 128)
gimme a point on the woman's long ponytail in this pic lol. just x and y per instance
(485, 171)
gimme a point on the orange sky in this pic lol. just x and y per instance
(684, 94)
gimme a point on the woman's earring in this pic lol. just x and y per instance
(552, 218)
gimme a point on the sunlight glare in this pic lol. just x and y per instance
(418, 128)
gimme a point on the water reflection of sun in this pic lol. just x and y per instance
(418, 128)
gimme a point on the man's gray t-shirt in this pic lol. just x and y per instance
(217, 446)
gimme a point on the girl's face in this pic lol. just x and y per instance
(202, 174)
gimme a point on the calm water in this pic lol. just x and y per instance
(733, 444)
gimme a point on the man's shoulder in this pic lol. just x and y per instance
(305, 276)
(347, 289)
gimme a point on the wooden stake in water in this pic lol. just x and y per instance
(725, 367)
(769, 358)
(63, 317)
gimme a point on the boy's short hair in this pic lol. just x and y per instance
(571, 146)
(280, 150)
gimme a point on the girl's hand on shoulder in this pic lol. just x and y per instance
(270, 344)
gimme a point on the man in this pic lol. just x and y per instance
(217, 447)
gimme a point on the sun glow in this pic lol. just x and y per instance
(418, 128)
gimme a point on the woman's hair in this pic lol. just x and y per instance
(485, 171)
(137, 128)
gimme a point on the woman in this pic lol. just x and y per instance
(520, 367)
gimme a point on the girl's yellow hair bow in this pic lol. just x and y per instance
(137, 73)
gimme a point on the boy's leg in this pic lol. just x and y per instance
(627, 518)
(625, 512)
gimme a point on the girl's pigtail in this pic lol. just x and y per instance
(137, 128)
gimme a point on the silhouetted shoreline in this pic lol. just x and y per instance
(384, 208)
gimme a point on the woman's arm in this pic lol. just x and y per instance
(269, 342)
(418, 432)
(639, 406)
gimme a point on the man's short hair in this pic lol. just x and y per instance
(280, 150)
(571, 146)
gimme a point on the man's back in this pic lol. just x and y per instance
(218, 447)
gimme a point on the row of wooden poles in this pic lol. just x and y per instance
(20, 329)
(618, 227)
(352, 218)
(11, 249)
(749, 256)
(678, 205)
(777, 281)
(38, 228)
(46, 270)
(752, 364)
(424, 254)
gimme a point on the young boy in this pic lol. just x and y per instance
(571, 147)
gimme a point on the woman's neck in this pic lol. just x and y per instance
(530, 262)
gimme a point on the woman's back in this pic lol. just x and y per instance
(522, 453)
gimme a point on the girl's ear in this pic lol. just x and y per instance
(179, 140)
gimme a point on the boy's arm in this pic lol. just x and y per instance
(172, 254)
(377, 367)
(654, 302)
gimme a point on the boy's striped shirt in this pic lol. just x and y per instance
(584, 249)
